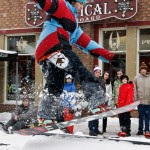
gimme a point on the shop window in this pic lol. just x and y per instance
(25, 46)
(26, 77)
(145, 57)
(22, 44)
(144, 41)
(115, 40)
(144, 46)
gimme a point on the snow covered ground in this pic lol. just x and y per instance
(38, 142)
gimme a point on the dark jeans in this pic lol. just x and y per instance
(125, 121)
(93, 125)
(54, 76)
(16, 125)
(144, 117)
(104, 124)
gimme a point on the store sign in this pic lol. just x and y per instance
(103, 9)
(94, 10)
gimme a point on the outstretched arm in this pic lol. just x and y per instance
(52, 7)
(84, 42)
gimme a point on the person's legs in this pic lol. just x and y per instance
(104, 124)
(11, 122)
(49, 103)
(19, 125)
(127, 123)
(93, 127)
(147, 117)
(141, 119)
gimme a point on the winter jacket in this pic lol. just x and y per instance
(24, 113)
(142, 89)
(61, 30)
(117, 84)
(68, 97)
(126, 94)
(108, 93)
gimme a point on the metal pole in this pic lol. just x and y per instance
(17, 94)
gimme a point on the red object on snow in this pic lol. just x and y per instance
(147, 135)
(122, 134)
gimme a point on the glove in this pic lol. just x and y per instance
(103, 59)
(71, 111)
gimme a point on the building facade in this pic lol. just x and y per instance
(122, 26)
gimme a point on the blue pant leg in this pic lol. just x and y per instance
(147, 117)
(141, 117)
(93, 125)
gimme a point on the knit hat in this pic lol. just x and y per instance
(82, 1)
(143, 66)
(69, 76)
(124, 77)
(97, 69)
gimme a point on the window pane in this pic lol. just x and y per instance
(144, 39)
(26, 77)
(145, 57)
(21, 44)
(119, 64)
(115, 40)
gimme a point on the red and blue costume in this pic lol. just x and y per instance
(60, 31)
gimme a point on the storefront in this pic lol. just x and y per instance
(122, 26)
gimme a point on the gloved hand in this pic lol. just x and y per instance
(103, 59)
(71, 111)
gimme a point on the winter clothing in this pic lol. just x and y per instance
(116, 86)
(68, 101)
(107, 103)
(82, 1)
(97, 69)
(142, 88)
(21, 117)
(60, 31)
(68, 97)
(142, 93)
(125, 97)
(63, 30)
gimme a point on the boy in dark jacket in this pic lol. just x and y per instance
(20, 117)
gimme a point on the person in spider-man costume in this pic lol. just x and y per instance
(56, 58)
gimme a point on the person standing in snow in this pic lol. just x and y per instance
(21, 117)
(142, 93)
(125, 97)
(68, 101)
(108, 86)
(56, 58)
(94, 124)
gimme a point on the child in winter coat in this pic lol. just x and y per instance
(68, 101)
(125, 97)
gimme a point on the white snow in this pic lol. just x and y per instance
(39, 142)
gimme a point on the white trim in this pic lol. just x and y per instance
(137, 52)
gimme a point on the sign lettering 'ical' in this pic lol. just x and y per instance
(92, 11)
